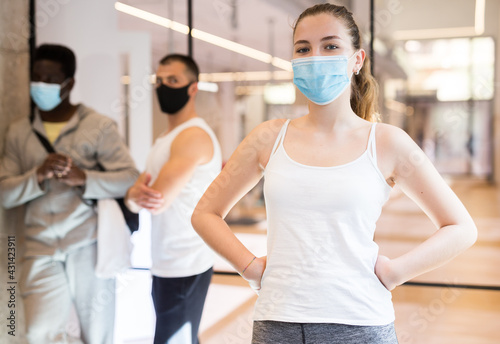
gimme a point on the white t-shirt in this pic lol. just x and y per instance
(321, 254)
(176, 249)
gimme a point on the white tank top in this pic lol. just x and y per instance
(176, 249)
(321, 253)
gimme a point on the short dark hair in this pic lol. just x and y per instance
(57, 53)
(191, 66)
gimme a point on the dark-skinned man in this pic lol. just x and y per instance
(58, 190)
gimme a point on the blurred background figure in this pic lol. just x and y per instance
(183, 162)
(58, 189)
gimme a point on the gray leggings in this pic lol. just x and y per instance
(276, 332)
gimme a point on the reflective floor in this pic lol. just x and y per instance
(431, 315)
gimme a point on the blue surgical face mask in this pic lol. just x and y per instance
(47, 96)
(322, 79)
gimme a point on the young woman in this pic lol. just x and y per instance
(327, 176)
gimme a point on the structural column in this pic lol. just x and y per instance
(496, 115)
(14, 103)
(230, 125)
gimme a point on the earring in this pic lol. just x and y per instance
(357, 72)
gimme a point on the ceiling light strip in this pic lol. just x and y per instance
(434, 33)
(233, 46)
(246, 76)
(205, 36)
(152, 18)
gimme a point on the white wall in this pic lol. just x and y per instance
(90, 29)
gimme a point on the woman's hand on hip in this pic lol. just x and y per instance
(253, 274)
(384, 269)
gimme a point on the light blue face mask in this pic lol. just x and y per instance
(47, 96)
(322, 79)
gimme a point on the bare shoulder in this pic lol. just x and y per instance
(264, 134)
(396, 152)
(393, 139)
(193, 143)
(261, 139)
(270, 127)
(193, 136)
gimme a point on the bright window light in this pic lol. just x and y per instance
(476, 30)
(208, 86)
(457, 69)
(413, 46)
(279, 94)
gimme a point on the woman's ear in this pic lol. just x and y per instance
(360, 59)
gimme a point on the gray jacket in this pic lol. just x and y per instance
(57, 220)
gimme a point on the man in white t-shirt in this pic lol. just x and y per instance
(181, 165)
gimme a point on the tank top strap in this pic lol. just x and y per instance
(372, 146)
(281, 135)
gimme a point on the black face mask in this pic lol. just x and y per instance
(172, 99)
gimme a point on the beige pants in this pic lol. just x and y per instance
(52, 285)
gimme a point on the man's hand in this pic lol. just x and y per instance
(55, 165)
(141, 196)
(74, 177)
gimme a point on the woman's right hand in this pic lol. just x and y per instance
(385, 272)
(253, 274)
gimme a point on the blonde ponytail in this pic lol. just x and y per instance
(364, 94)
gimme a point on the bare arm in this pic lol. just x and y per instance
(416, 176)
(192, 147)
(241, 173)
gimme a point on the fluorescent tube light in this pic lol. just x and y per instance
(205, 36)
(451, 32)
(152, 18)
(246, 76)
(233, 46)
(202, 85)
